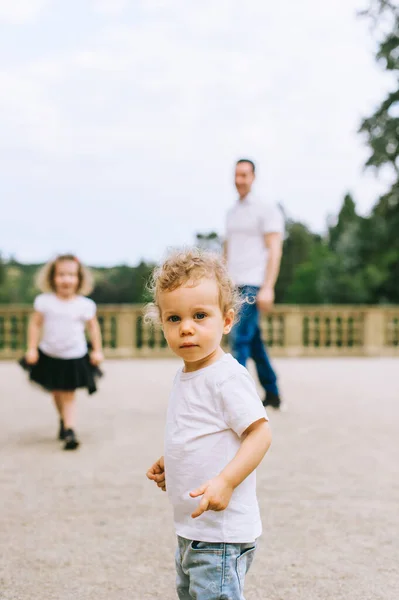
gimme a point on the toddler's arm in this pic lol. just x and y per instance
(217, 492)
(96, 356)
(34, 330)
(157, 473)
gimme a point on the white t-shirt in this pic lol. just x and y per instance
(63, 334)
(209, 410)
(247, 222)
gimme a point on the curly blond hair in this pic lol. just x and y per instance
(45, 277)
(192, 265)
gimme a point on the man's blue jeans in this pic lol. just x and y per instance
(246, 340)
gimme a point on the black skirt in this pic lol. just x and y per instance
(64, 374)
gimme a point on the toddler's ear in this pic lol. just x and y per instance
(228, 321)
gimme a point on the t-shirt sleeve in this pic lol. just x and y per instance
(89, 309)
(40, 303)
(241, 403)
(272, 219)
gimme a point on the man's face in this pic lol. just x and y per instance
(244, 178)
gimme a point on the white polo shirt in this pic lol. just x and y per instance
(247, 222)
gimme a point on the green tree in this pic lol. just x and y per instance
(2, 271)
(305, 287)
(122, 284)
(299, 247)
(347, 216)
(382, 134)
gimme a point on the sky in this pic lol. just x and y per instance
(121, 121)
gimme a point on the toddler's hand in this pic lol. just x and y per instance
(157, 473)
(216, 494)
(32, 356)
(96, 358)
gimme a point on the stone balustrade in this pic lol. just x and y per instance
(288, 331)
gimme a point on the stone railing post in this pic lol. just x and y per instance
(374, 331)
(293, 331)
(126, 331)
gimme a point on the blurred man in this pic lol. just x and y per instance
(253, 249)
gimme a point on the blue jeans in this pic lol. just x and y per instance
(210, 571)
(246, 340)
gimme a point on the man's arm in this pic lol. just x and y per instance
(217, 492)
(274, 244)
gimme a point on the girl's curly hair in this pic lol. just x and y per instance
(46, 275)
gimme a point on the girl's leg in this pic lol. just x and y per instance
(68, 400)
(68, 403)
(58, 402)
(59, 406)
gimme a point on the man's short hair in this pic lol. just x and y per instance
(246, 160)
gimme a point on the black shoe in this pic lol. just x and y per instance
(61, 434)
(71, 443)
(272, 400)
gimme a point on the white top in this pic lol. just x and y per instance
(247, 222)
(64, 321)
(209, 410)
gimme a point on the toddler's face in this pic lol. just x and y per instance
(193, 322)
(66, 277)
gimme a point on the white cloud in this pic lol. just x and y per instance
(17, 12)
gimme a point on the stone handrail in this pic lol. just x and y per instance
(288, 330)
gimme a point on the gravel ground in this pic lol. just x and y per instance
(89, 526)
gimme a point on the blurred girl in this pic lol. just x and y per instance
(57, 357)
